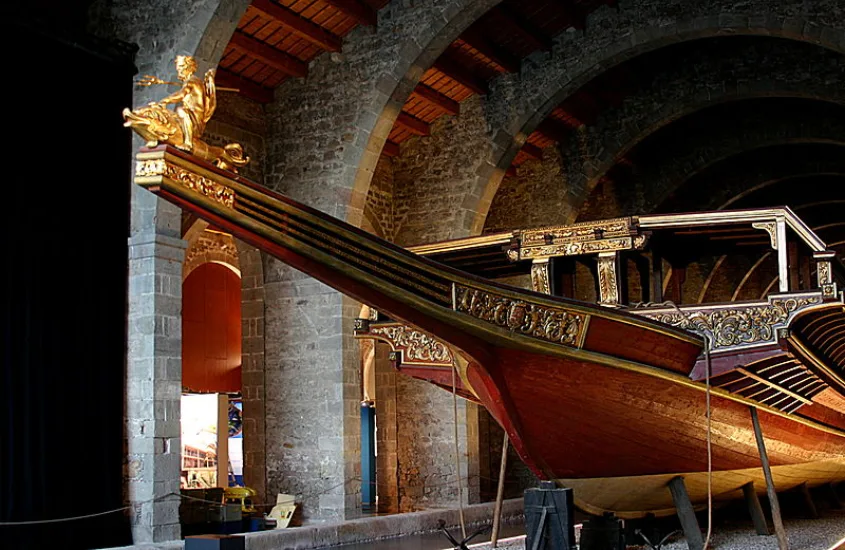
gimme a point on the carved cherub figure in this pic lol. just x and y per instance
(195, 102)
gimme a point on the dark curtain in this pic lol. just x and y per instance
(65, 221)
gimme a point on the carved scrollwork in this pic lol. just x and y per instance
(608, 287)
(546, 323)
(195, 182)
(578, 247)
(736, 326)
(771, 228)
(540, 277)
(416, 347)
(584, 230)
(825, 275)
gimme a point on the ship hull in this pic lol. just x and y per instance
(618, 436)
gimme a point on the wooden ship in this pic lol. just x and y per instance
(606, 396)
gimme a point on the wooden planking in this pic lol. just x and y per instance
(507, 61)
(522, 26)
(553, 129)
(438, 99)
(391, 149)
(532, 151)
(269, 55)
(413, 125)
(357, 10)
(454, 70)
(298, 25)
(247, 88)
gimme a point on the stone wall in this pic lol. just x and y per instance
(434, 174)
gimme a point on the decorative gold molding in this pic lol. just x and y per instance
(824, 273)
(616, 227)
(577, 248)
(417, 347)
(608, 284)
(771, 228)
(151, 168)
(731, 326)
(540, 277)
(545, 323)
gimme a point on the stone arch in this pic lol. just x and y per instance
(653, 185)
(785, 69)
(518, 103)
(367, 84)
(211, 247)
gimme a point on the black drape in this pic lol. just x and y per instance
(65, 180)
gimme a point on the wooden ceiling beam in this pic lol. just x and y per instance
(553, 129)
(532, 151)
(413, 124)
(247, 88)
(432, 96)
(576, 14)
(357, 10)
(298, 25)
(525, 28)
(265, 53)
(390, 149)
(461, 74)
(492, 51)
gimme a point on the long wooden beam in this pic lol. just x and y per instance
(532, 151)
(461, 74)
(268, 54)
(413, 124)
(360, 12)
(298, 25)
(437, 99)
(553, 129)
(525, 28)
(576, 15)
(783, 543)
(247, 88)
(391, 148)
(497, 54)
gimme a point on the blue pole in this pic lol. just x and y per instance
(368, 455)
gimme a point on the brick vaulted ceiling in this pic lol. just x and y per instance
(276, 39)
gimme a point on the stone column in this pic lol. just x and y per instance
(154, 384)
(312, 395)
(252, 362)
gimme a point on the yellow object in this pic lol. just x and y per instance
(243, 496)
(183, 127)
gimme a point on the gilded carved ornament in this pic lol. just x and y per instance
(195, 182)
(195, 101)
(771, 228)
(545, 323)
(417, 347)
(737, 326)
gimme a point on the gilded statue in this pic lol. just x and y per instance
(183, 127)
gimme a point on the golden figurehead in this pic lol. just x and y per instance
(182, 127)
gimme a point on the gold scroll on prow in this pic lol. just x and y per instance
(196, 101)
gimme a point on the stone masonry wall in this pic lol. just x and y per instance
(518, 102)
(326, 133)
(433, 175)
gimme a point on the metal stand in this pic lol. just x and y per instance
(686, 513)
(549, 521)
(783, 544)
(754, 508)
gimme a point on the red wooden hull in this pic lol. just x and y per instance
(585, 392)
